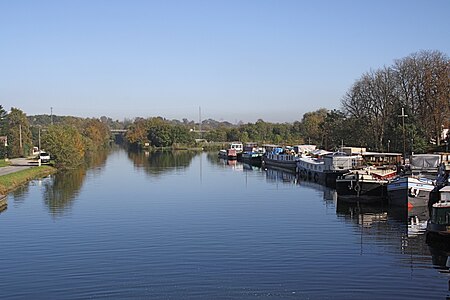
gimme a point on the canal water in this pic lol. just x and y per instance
(186, 225)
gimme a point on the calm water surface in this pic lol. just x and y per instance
(189, 226)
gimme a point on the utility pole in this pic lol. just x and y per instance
(39, 139)
(200, 121)
(403, 116)
(20, 139)
(51, 115)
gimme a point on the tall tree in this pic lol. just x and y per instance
(19, 134)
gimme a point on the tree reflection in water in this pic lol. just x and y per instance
(60, 192)
(157, 162)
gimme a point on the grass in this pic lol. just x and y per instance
(11, 181)
(4, 163)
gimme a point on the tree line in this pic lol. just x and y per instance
(67, 138)
(369, 116)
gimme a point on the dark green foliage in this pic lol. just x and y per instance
(18, 132)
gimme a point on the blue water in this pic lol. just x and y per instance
(190, 226)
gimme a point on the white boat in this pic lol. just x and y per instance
(413, 190)
(281, 158)
(311, 168)
(328, 166)
(233, 152)
(410, 191)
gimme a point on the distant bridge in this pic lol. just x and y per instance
(118, 131)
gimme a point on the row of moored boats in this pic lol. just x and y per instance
(362, 176)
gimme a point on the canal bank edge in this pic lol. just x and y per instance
(10, 182)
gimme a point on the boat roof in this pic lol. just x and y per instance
(380, 154)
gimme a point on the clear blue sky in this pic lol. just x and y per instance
(237, 60)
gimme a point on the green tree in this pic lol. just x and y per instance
(3, 131)
(19, 134)
(65, 144)
(310, 126)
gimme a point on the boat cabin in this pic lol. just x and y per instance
(440, 212)
(424, 163)
(378, 159)
(340, 161)
(236, 146)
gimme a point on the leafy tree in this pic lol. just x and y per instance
(310, 126)
(65, 144)
(97, 134)
(3, 131)
(19, 134)
(137, 133)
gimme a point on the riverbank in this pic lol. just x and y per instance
(11, 181)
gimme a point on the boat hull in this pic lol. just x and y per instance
(290, 165)
(409, 192)
(367, 191)
(439, 229)
(252, 158)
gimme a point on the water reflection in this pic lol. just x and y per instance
(440, 256)
(3, 204)
(158, 162)
(276, 175)
(329, 194)
(20, 194)
(365, 215)
(186, 238)
(60, 192)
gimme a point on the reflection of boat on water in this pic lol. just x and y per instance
(414, 217)
(232, 163)
(364, 214)
(440, 252)
(328, 193)
(250, 167)
(440, 256)
(276, 175)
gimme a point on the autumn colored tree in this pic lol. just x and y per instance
(96, 133)
(137, 133)
(65, 144)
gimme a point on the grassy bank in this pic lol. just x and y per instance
(11, 181)
(4, 163)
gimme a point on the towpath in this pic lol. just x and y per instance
(18, 164)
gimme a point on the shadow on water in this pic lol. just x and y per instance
(158, 162)
(64, 186)
(439, 248)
